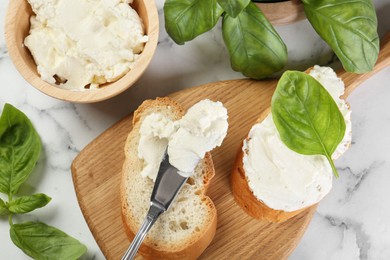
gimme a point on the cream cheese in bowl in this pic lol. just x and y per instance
(84, 43)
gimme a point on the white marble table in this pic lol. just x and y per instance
(352, 222)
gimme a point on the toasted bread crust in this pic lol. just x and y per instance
(192, 251)
(154, 103)
(248, 202)
(197, 244)
(245, 197)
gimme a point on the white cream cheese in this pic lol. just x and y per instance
(84, 42)
(202, 129)
(155, 132)
(281, 178)
(187, 140)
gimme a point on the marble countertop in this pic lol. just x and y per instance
(352, 222)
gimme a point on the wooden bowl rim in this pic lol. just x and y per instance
(276, 11)
(281, 3)
(88, 96)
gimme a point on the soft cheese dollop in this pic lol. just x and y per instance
(84, 42)
(200, 130)
(281, 178)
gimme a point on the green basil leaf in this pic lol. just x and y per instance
(187, 19)
(41, 241)
(28, 203)
(20, 147)
(350, 29)
(233, 7)
(3, 208)
(307, 118)
(254, 46)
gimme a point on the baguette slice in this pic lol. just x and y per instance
(248, 202)
(245, 197)
(188, 227)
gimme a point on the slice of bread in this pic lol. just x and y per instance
(245, 197)
(188, 227)
(248, 202)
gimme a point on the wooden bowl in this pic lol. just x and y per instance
(17, 28)
(284, 12)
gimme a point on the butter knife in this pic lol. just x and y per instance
(167, 186)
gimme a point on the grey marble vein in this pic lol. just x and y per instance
(89, 256)
(81, 118)
(53, 151)
(165, 41)
(3, 52)
(355, 179)
(362, 239)
(160, 11)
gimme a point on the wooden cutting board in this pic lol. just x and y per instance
(97, 169)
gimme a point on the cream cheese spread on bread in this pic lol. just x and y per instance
(156, 130)
(200, 130)
(84, 42)
(281, 178)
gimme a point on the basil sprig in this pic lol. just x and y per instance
(20, 147)
(187, 19)
(26, 204)
(244, 34)
(307, 117)
(41, 241)
(255, 48)
(350, 29)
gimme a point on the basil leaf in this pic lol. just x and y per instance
(20, 147)
(254, 46)
(28, 203)
(186, 19)
(3, 208)
(41, 241)
(350, 29)
(233, 7)
(307, 118)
